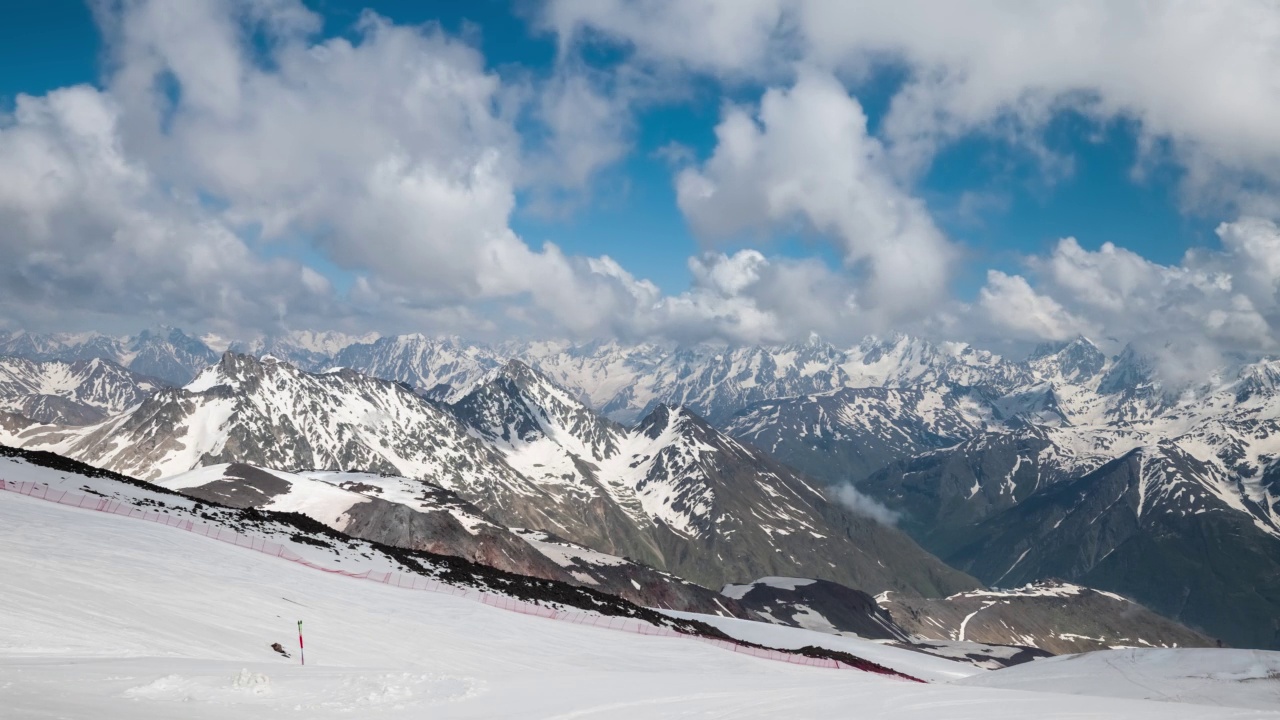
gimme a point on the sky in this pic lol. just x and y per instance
(741, 171)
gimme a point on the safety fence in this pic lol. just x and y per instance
(407, 581)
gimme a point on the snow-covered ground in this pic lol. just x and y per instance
(1237, 678)
(107, 617)
(915, 664)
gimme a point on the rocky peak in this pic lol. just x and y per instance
(1261, 378)
(659, 420)
(1129, 372)
(1076, 361)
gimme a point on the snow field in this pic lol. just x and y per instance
(107, 617)
(926, 667)
(1238, 678)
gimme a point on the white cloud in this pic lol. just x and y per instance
(1197, 75)
(1010, 303)
(1186, 316)
(865, 505)
(398, 155)
(88, 227)
(747, 298)
(806, 158)
(587, 116)
(394, 155)
(731, 36)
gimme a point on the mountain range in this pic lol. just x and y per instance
(672, 492)
(723, 464)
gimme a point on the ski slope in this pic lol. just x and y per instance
(1239, 678)
(107, 617)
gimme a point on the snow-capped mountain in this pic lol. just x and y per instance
(273, 415)
(680, 495)
(976, 494)
(80, 392)
(1175, 533)
(167, 354)
(946, 435)
(673, 492)
(442, 368)
(47, 346)
(418, 515)
(309, 350)
(625, 382)
(847, 434)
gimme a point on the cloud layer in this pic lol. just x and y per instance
(239, 171)
(1197, 76)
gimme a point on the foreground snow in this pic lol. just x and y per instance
(1237, 678)
(915, 664)
(108, 617)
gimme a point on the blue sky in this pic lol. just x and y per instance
(1021, 152)
(632, 215)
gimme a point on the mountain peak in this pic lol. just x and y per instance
(1129, 370)
(233, 369)
(1075, 361)
(677, 417)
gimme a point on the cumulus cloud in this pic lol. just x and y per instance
(806, 157)
(747, 298)
(227, 134)
(741, 37)
(88, 227)
(226, 127)
(1011, 304)
(1196, 77)
(1187, 316)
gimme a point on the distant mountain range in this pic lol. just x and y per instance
(724, 464)
(165, 354)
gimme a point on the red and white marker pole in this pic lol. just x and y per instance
(302, 653)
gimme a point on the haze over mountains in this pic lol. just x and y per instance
(1070, 464)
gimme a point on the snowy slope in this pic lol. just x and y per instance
(672, 493)
(108, 617)
(942, 407)
(1215, 678)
